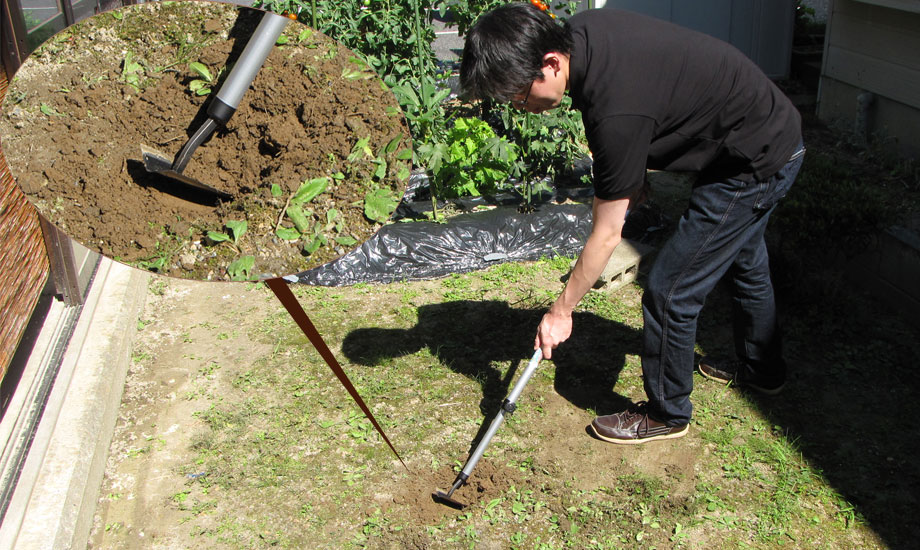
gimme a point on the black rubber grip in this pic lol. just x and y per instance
(220, 111)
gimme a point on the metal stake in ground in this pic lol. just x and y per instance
(280, 287)
(507, 408)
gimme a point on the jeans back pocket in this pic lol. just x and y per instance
(774, 188)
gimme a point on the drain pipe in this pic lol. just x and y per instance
(864, 103)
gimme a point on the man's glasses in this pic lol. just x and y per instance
(523, 103)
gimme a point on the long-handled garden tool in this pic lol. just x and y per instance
(507, 408)
(222, 106)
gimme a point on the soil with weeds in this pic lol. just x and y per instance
(81, 106)
(234, 434)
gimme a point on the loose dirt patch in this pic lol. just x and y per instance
(80, 107)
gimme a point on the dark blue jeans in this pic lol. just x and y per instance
(721, 233)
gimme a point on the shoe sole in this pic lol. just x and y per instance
(714, 378)
(672, 435)
(731, 382)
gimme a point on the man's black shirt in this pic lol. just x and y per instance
(656, 95)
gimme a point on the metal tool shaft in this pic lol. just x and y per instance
(508, 407)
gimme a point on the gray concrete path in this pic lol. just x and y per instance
(56, 493)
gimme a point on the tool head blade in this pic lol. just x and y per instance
(156, 162)
(443, 498)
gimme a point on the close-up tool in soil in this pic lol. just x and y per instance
(222, 106)
(507, 408)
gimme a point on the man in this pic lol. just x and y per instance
(656, 95)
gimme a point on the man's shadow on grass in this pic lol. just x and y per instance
(469, 336)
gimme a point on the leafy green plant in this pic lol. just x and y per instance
(379, 204)
(315, 241)
(550, 142)
(363, 163)
(157, 261)
(384, 32)
(422, 102)
(307, 191)
(315, 233)
(476, 160)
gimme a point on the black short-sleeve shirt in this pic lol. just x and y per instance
(656, 95)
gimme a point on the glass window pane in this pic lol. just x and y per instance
(37, 12)
(82, 8)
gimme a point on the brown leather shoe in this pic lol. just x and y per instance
(633, 426)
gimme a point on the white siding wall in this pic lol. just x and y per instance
(762, 29)
(874, 46)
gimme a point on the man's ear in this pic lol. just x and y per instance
(551, 60)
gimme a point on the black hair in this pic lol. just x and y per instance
(504, 51)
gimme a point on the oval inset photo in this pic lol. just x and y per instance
(205, 141)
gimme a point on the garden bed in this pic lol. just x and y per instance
(81, 106)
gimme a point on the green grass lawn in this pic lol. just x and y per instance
(271, 451)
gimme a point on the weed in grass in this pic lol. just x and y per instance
(500, 277)
(460, 288)
(157, 286)
(558, 264)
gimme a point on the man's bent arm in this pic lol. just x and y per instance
(556, 326)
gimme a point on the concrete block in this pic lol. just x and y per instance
(624, 266)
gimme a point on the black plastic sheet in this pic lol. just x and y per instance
(467, 242)
(478, 239)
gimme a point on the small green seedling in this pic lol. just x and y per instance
(241, 269)
(300, 216)
(309, 190)
(317, 241)
(131, 71)
(237, 230)
(357, 69)
(200, 86)
(49, 110)
(360, 147)
(300, 219)
(287, 233)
